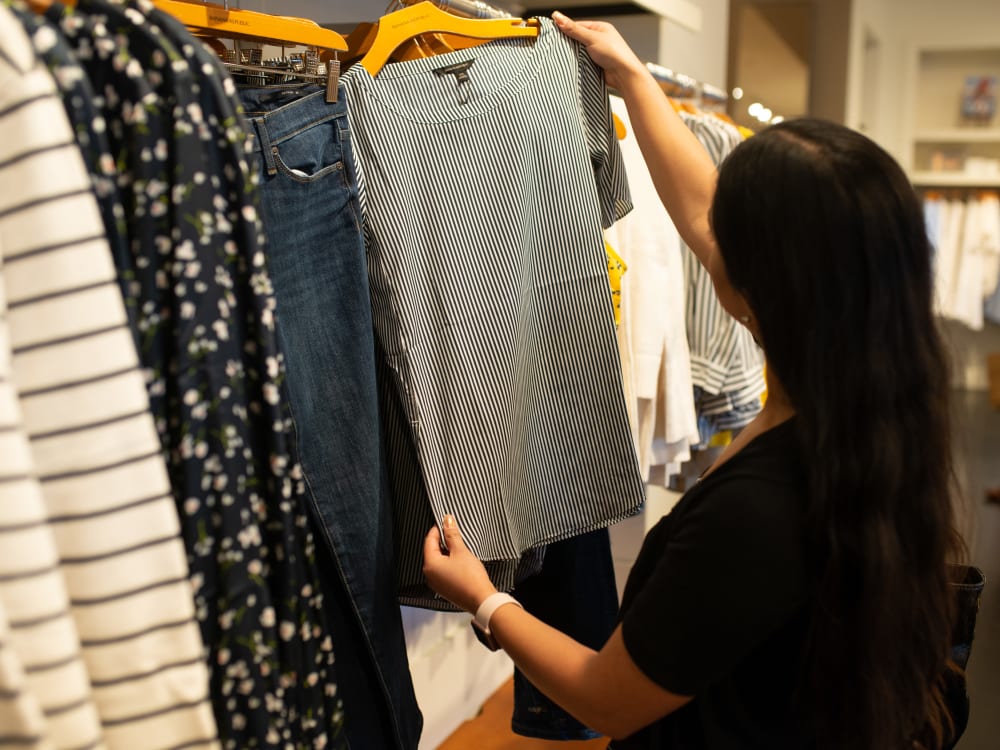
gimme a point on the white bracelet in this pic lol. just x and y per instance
(490, 605)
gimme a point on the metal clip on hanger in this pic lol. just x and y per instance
(206, 19)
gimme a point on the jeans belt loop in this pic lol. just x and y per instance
(266, 149)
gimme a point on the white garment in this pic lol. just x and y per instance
(652, 320)
(32, 590)
(968, 295)
(948, 255)
(20, 715)
(934, 219)
(989, 228)
(94, 573)
(967, 256)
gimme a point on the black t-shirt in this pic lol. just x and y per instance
(716, 605)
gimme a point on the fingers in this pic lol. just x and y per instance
(452, 536)
(432, 544)
(581, 32)
(452, 539)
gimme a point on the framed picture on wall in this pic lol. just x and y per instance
(979, 99)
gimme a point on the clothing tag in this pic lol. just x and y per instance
(459, 70)
(461, 73)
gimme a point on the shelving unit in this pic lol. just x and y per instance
(942, 150)
(960, 135)
(947, 179)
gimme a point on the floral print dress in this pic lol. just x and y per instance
(196, 281)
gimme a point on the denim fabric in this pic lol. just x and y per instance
(574, 592)
(992, 308)
(967, 583)
(316, 257)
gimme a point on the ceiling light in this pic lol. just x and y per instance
(755, 108)
(737, 93)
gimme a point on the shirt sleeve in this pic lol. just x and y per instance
(605, 155)
(729, 574)
(41, 665)
(20, 713)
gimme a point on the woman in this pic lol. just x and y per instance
(797, 596)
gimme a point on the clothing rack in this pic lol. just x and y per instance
(684, 87)
(713, 95)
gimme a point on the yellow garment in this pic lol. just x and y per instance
(725, 437)
(620, 131)
(721, 439)
(616, 269)
(744, 131)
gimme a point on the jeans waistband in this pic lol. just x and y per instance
(279, 113)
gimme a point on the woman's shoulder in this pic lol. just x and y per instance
(761, 489)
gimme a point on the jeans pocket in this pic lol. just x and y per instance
(299, 174)
(311, 154)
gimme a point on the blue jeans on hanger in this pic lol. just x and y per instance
(316, 255)
(575, 592)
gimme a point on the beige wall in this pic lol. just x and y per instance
(700, 54)
(828, 64)
(900, 26)
(766, 66)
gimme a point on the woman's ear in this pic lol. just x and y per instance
(732, 300)
(740, 309)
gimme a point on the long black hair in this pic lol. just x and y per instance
(823, 234)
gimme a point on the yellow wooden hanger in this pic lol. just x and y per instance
(427, 18)
(40, 6)
(247, 24)
(233, 23)
(359, 41)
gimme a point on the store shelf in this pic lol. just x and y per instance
(958, 135)
(953, 179)
(941, 149)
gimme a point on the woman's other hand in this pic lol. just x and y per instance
(455, 574)
(605, 46)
